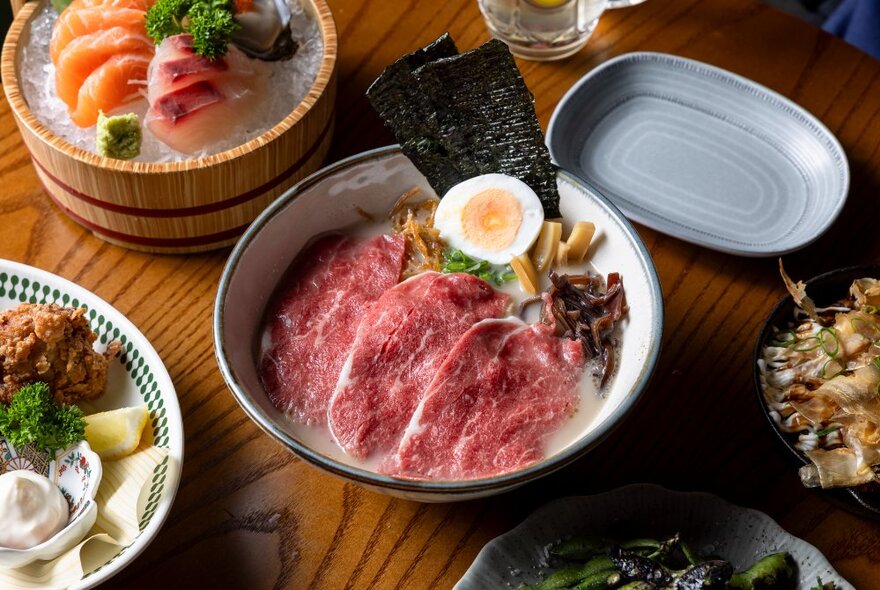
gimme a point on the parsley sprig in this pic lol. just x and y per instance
(210, 22)
(33, 418)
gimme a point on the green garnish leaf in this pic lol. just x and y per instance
(60, 5)
(210, 22)
(165, 19)
(33, 418)
(211, 25)
(455, 260)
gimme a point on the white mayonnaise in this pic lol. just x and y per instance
(32, 509)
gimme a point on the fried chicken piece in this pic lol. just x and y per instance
(52, 344)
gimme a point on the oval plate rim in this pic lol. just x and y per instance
(568, 102)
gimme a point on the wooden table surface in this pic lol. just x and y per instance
(250, 515)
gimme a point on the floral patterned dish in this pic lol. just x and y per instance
(77, 471)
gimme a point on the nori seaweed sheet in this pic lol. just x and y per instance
(396, 96)
(461, 115)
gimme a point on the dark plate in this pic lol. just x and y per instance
(824, 289)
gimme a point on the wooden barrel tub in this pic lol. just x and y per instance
(178, 207)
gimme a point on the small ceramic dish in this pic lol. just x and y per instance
(709, 524)
(77, 473)
(372, 182)
(138, 377)
(824, 289)
(701, 154)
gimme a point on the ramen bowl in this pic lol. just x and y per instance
(336, 197)
(176, 207)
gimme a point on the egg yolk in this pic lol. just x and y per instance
(491, 219)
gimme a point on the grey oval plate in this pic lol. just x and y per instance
(707, 522)
(701, 154)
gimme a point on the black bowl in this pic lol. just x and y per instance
(824, 289)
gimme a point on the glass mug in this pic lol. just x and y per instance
(546, 29)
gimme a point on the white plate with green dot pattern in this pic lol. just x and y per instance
(137, 377)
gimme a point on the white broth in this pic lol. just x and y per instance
(590, 398)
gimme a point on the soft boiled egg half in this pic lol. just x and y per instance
(493, 217)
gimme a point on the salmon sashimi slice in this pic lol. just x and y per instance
(108, 4)
(109, 86)
(78, 23)
(85, 54)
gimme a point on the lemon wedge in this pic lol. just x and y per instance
(548, 3)
(117, 433)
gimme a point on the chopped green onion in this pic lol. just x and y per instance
(784, 339)
(824, 370)
(830, 343)
(455, 260)
(807, 344)
(827, 431)
(870, 309)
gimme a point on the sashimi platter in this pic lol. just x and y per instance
(453, 339)
(168, 80)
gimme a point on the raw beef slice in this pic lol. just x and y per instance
(313, 323)
(400, 345)
(503, 389)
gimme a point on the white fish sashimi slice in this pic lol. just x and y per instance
(195, 102)
(176, 65)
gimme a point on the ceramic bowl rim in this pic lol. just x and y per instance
(567, 102)
(587, 442)
(848, 496)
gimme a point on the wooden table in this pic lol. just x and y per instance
(251, 516)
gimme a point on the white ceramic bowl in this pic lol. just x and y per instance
(373, 181)
(77, 473)
(139, 377)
